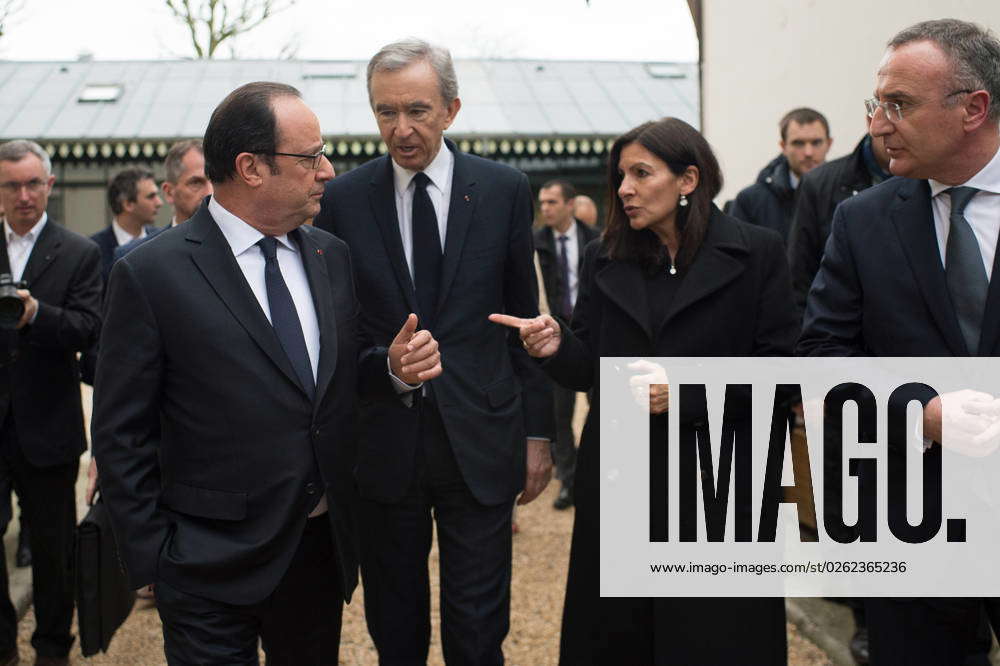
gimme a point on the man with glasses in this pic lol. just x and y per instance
(226, 399)
(41, 418)
(908, 266)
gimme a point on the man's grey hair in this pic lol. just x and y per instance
(17, 150)
(173, 162)
(973, 51)
(394, 57)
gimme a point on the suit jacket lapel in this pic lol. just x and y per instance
(42, 254)
(581, 244)
(991, 316)
(623, 284)
(913, 218)
(214, 258)
(322, 293)
(714, 266)
(460, 210)
(382, 197)
(547, 243)
(4, 257)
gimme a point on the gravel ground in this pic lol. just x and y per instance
(541, 553)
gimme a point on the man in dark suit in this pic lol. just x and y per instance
(41, 417)
(134, 200)
(225, 405)
(907, 269)
(559, 245)
(449, 236)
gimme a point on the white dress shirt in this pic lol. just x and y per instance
(19, 250)
(572, 257)
(982, 212)
(438, 190)
(242, 238)
(123, 236)
(19, 247)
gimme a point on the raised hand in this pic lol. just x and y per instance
(540, 336)
(413, 354)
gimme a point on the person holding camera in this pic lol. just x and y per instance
(56, 313)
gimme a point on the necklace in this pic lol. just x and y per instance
(673, 269)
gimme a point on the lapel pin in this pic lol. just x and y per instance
(467, 198)
(319, 251)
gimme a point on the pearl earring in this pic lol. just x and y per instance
(683, 201)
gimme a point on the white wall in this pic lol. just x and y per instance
(761, 59)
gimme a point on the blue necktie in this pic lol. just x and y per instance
(426, 251)
(964, 271)
(284, 317)
(565, 300)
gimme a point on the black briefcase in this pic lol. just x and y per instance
(103, 595)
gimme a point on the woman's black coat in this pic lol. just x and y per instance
(735, 300)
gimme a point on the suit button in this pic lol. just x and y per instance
(316, 432)
(310, 489)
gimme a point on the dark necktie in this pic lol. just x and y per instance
(565, 300)
(284, 317)
(964, 270)
(426, 251)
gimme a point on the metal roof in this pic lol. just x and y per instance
(511, 102)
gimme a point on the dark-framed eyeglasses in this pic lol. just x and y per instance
(314, 161)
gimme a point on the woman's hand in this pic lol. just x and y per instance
(651, 377)
(540, 336)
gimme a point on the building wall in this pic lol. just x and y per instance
(761, 59)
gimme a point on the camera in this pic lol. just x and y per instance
(11, 305)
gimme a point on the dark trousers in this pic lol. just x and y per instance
(564, 447)
(929, 631)
(298, 623)
(48, 503)
(474, 542)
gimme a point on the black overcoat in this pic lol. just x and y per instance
(735, 300)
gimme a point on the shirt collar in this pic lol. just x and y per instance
(987, 180)
(439, 170)
(240, 235)
(570, 233)
(33, 232)
(123, 236)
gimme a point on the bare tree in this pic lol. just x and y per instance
(210, 23)
(7, 10)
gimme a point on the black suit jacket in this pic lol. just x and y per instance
(106, 240)
(40, 390)
(881, 290)
(205, 439)
(548, 259)
(491, 395)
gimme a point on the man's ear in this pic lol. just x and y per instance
(977, 109)
(168, 191)
(452, 109)
(249, 168)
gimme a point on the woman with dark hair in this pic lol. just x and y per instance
(672, 276)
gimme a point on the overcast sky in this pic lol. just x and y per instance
(355, 29)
